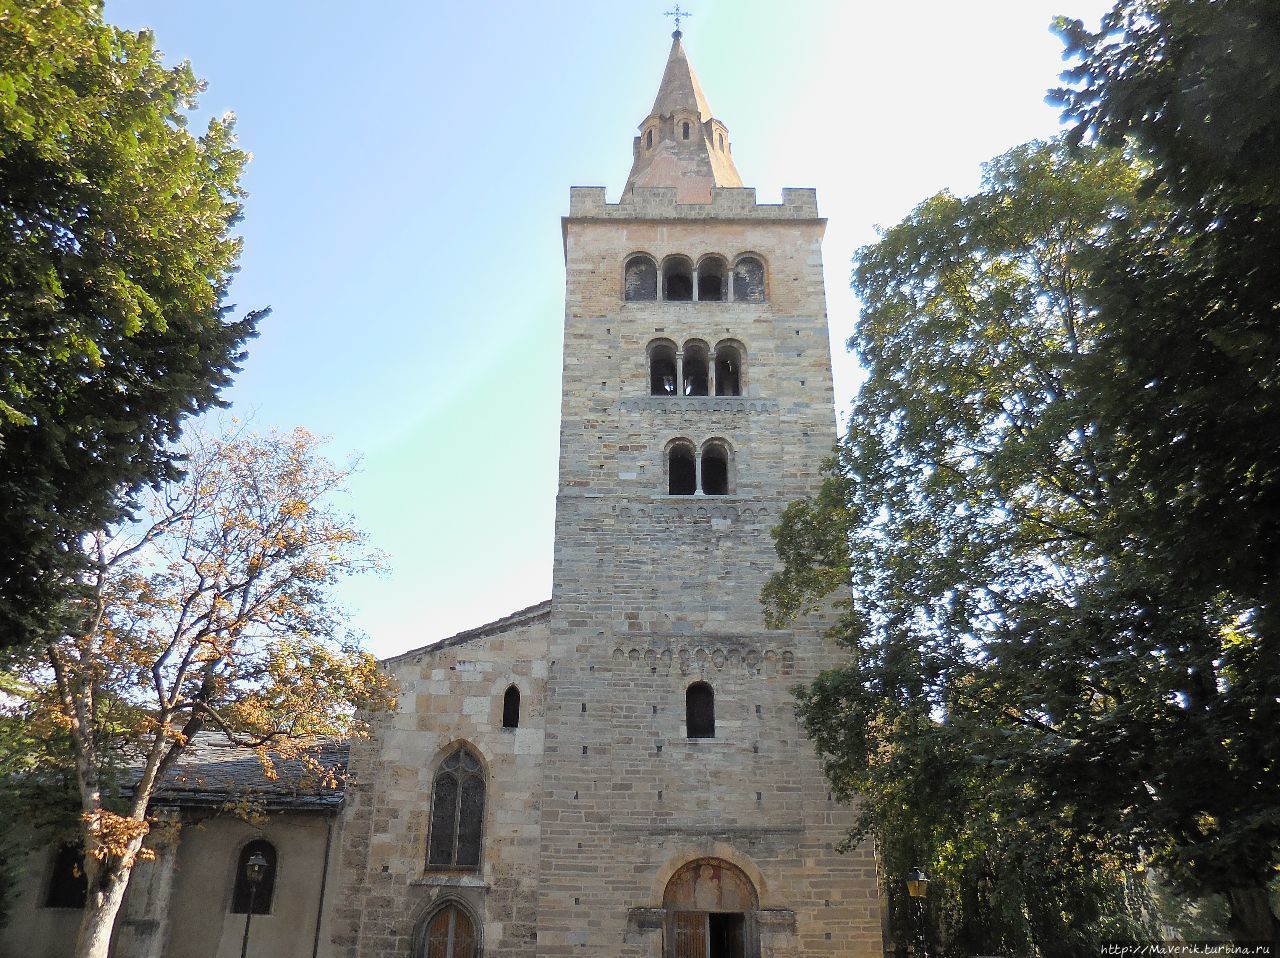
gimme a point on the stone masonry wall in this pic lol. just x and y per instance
(449, 693)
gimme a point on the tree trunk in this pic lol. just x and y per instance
(102, 905)
(1252, 919)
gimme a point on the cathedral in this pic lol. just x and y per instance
(616, 772)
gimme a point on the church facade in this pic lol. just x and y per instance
(617, 772)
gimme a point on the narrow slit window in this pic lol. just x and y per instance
(511, 708)
(686, 130)
(648, 140)
(700, 711)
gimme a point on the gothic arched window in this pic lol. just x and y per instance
(244, 889)
(748, 280)
(700, 711)
(457, 812)
(511, 708)
(449, 934)
(640, 279)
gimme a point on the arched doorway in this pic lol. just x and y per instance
(711, 908)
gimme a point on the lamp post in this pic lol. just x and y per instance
(917, 888)
(255, 869)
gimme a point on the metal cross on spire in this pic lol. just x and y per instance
(678, 14)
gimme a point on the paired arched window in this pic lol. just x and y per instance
(254, 895)
(511, 708)
(457, 812)
(449, 933)
(748, 280)
(695, 370)
(700, 711)
(679, 281)
(690, 471)
(640, 279)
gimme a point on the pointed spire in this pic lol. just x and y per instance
(681, 144)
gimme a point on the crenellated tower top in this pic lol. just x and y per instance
(681, 144)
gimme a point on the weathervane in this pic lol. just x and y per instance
(677, 13)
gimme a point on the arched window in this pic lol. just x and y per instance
(246, 891)
(685, 129)
(715, 469)
(682, 470)
(712, 279)
(700, 711)
(511, 708)
(449, 934)
(640, 279)
(677, 279)
(748, 280)
(457, 812)
(696, 369)
(711, 909)
(728, 370)
(721, 138)
(648, 140)
(67, 885)
(662, 368)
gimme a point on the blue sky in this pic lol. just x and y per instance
(411, 162)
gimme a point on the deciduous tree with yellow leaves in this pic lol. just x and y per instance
(210, 612)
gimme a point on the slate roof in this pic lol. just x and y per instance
(212, 773)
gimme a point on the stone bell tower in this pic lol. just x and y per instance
(683, 812)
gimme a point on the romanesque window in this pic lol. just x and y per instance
(677, 279)
(682, 469)
(511, 708)
(748, 280)
(67, 886)
(721, 138)
(662, 368)
(728, 369)
(648, 140)
(265, 890)
(457, 812)
(640, 279)
(449, 934)
(696, 366)
(713, 280)
(685, 129)
(710, 907)
(715, 468)
(700, 711)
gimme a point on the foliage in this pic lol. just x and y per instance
(1188, 398)
(209, 613)
(115, 257)
(992, 695)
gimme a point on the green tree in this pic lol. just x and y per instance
(1000, 720)
(1187, 396)
(116, 252)
(209, 612)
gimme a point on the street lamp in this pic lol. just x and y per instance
(917, 888)
(255, 869)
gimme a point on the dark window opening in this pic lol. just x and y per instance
(67, 885)
(648, 140)
(715, 471)
(662, 370)
(457, 812)
(695, 371)
(722, 142)
(700, 711)
(640, 279)
(728, 372)
(683, 473)
(450, 934)
(686, 131)
(245, 891)
(511, 708)
(677, 280)
(712, 284)
(748, 280)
